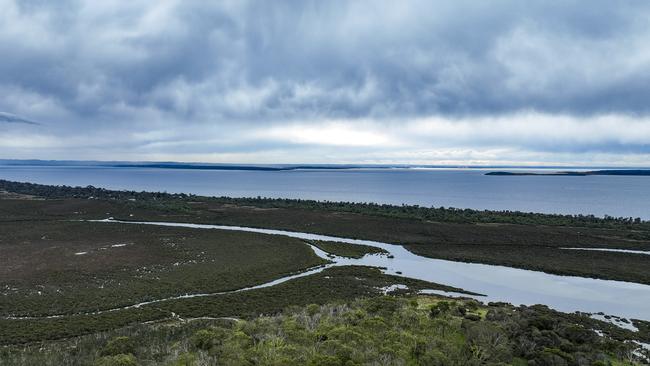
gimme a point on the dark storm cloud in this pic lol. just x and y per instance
(305, 59)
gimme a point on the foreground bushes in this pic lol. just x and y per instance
(420, 331)
(117, 360)
(384, 330)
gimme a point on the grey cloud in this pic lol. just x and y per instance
(113, 68)
(12, 118)
(358, 58)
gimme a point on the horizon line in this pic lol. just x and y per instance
(136, 163)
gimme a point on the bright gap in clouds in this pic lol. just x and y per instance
(526, 138)
(330, 133)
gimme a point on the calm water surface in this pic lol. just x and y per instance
(498, 283)
(463, 188)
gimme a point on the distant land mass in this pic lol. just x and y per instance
(229, 167)
(639, 172)
(546, 170)
(305, 166)
(191, 166)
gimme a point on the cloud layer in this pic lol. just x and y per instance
(336, 81)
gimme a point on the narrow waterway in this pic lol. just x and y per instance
(498, 283)
(628, 251)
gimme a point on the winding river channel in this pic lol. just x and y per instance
(498, 283)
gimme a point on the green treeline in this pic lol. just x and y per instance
(175, 201)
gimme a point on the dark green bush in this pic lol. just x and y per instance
(118, 345)
(440, 308)
(117, 360)
(207, 339)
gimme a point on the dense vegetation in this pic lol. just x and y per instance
(50, 264)
(374, 331)
(71, 267)
(346, 250)
(440, 214)
(333, 284)
(492, 243)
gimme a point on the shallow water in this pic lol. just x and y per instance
(498, 283)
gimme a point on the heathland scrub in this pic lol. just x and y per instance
(498, 283)
(521, 240)
(475, 235)
(418, 330)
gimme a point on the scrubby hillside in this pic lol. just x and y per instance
(386, 330)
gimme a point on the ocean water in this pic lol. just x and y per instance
(627, 196)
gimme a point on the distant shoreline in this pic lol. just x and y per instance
(291, 166)
(622, 172)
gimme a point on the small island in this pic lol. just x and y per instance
(626, 172)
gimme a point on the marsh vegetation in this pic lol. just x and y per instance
(347, 250)
(54, 263)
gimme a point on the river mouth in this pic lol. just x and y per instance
(498, 283)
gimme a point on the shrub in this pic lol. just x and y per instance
(185, 359)
(434, 358)
(460, 309)
(579, 335)
(543, 322)
(384, 305)
(313, 309)
(488, 342)
(207, 339)
(117, 360)
(324, 360)
(118, 345)
(440, 308)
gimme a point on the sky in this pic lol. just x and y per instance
(367, 82)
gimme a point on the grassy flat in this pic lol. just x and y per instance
(333, 284)
(491, 243)
(59, 267)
